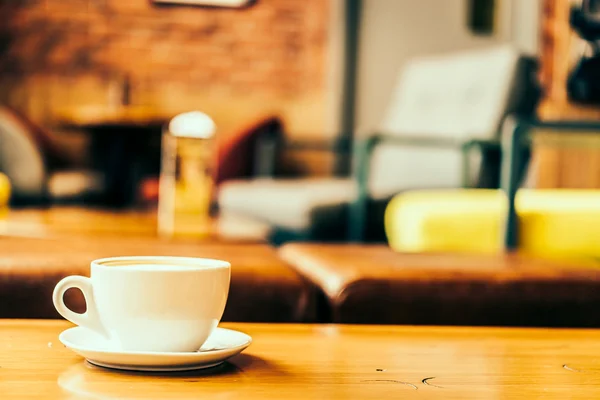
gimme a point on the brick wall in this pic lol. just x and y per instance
(270, 57)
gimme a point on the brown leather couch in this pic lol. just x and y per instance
(372, 284)
(263, 288)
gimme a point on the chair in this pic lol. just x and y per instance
(538, 222)
(20, 158)
(443, 108)
(35, 166)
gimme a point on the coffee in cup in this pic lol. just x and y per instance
(150, 304)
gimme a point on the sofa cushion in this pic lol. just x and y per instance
(234, 226)
(263, 288)
(294, 204)
(552, 222)
(373, 284)
(236, 149)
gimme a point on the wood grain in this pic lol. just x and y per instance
(326, 361)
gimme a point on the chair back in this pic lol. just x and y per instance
(459, 96)
(20, 157)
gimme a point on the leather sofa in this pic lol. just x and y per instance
(372, 284)
(263, 288)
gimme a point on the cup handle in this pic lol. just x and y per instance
(90, 318)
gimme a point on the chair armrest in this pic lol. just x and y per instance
(362, 156)
(516, 134)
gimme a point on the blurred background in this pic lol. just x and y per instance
(378, 161)
(292, 88)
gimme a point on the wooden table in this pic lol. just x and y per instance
(93, 116)
(125, 144)
(79, 221)
(324, 362)
(63, 222)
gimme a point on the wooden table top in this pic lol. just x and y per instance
(90, 116)
(324, 361)
(57, 222)
(76, 220)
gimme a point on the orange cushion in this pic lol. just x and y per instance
(235, 155)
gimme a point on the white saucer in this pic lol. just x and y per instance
(221, 345)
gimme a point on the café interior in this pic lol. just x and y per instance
(407, 193)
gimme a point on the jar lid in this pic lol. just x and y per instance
(193, 124)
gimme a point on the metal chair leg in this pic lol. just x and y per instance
(513, 130)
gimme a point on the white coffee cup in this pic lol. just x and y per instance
(150, 304)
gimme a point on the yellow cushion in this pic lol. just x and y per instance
(553, 222)
(4, 190)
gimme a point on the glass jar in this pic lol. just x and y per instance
(186, 178)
